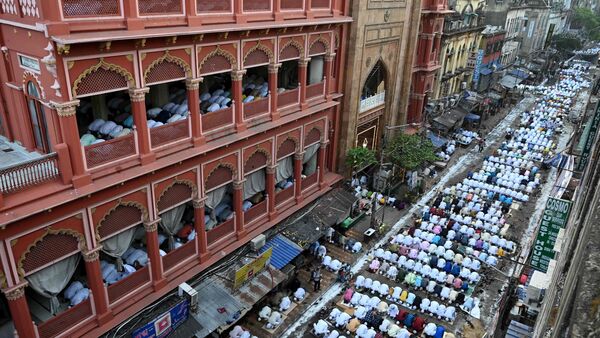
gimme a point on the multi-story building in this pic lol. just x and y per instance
(535, 28)
(492, 39)
(460, 46)
(175, 131)
(380, 59)
(427, 58)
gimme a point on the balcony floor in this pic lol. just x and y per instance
(12, 153)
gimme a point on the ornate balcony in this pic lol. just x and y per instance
(169, 133)
(372, 102)
(220, 232)
(217, 119)
(109, 151)
(128, 284)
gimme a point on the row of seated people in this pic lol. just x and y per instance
(275, 317)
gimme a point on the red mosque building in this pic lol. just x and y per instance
(143, 114)
(427, 58)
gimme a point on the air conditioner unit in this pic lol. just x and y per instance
(258, 242)
(190, 293)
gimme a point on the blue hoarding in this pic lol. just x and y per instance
(166, 323)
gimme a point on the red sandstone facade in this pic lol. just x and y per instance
(427, 56)
(77, 196)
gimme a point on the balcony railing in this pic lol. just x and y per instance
(169, 133)
(284, 195)
(372, 102)
(255, 212)
(291, 4)
(72, 316)
(217, 119)
(160, 7)
(257, 107)
(128, 284)
(310, 180)
(109, 151)
(220, 231)
(288, 98)
(27, 174)
(21, 9)
(77, 9)
(178, 255)
(314, 90)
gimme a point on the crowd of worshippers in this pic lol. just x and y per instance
(117, 121)
(274, 314)
(366, 196)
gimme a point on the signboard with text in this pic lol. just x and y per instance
(166, 323)
(252, 269)
(589, 142)
(477, 68)
(554, 218)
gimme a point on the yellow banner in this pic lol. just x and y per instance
(252, 269)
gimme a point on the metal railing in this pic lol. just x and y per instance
(30, 173)
(372, 102)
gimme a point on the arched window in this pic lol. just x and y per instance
(38, 118)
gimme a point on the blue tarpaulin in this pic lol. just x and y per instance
(520, 73)
(472, 117)
(485, 71)
(437, 141)
(284, 250)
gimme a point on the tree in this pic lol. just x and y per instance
(410, 151)
(567, 43)
(590, 21)
(360, 157)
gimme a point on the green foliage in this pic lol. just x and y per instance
(567, 42)
(360, 157)
(410, 151)
(590, 22)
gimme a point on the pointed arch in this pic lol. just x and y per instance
(167, 67)
(33, 78)
(287, 50)
(177, 192)
(287, 147)
(51, 245)
(314, 135)
(221, 59)
(123, 214)
(222, 173)
(319, 46)
(101, 77)
(380, 70)
(258, 54)
(260, 157)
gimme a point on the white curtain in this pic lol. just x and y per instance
(310, 159)
(213, 199)
(254, 183)
(116, 246)
(316, 70)
(285, 169)
(171, 223)
(52, 280)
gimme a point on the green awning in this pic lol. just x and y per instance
(584, 137)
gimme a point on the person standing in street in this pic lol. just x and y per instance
(481, 144)
(316, 278)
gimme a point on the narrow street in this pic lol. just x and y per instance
(523, 219)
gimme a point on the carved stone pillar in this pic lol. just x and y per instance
(151, 227)
(302, 78)
(236, 91)
(328, 75)
(140, 121)
(273, 72)
(200, 227)
(193, 96)
(270, 181)
(70, 133)
(321, 163)
(238, 191)
(298, 157)
(19, 310)
(94, 279)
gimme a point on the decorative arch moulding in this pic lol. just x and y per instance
(316, 38)
(266, 46)
(297, 42)
(214, 59)
(120, 217)
(137, 198)
(189, 178)
(156, 65)
(27, 244)
(90, 69)
(263, 147)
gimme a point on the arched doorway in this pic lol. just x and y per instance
(375, 83)
(39, 128)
